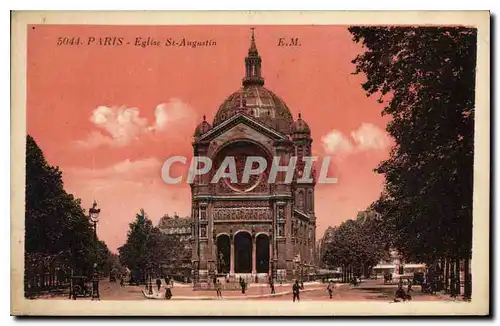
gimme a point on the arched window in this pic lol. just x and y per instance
(300, 199)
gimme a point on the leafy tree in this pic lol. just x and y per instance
(57, 230)
(135, 252)
(427, 77)
(356, 245)
(147, 247)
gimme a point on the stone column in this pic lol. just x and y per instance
(231, 257)
(254, 256)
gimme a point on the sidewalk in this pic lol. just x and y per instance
(446, 297)
(252, 285)
(226, 295)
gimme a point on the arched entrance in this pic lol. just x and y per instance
(223, 253)
(242, 253)
(262, 253)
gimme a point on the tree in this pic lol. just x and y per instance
(427, 77)
(134, 253)
(146, 246)
(356, 245)
(57, 230)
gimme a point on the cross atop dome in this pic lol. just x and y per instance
(253, 64)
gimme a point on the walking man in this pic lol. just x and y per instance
(218, 289)
(158, 284)
(271, 284)
(296, 291)
(168, 291)
(243, 285)
(409, 286)
(330, 289)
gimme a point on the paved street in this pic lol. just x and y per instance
(372, 290)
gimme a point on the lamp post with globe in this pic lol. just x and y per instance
(94, 218)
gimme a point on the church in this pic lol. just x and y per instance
(253, 229)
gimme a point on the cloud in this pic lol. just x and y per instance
(121, 125)
(174, 111)
(366, 137)
(124, 170)
(336, 143)
(95, 139)
(369, 136)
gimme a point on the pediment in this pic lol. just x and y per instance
(244, 125)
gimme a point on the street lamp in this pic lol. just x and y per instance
(94, 218)
(150, 283)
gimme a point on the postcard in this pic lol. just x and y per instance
(250, 163)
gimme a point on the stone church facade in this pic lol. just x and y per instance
(254, 228)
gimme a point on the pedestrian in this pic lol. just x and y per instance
(453, 289)
(168, 291)
(330, 289)
(409, 286)
(158, 284)
(218, 289)
(296, 291)
(271, 284)
(243, 285)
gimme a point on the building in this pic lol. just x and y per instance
(253, 228)
(322, 246)
(181, 229)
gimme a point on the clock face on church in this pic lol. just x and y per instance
(240, 151)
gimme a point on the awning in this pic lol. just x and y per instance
(384, 266)
(414, 265)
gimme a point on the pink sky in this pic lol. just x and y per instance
(109, 116)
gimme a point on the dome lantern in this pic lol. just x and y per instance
(254, 100)
(253, 64)
(300, 129)
(202, 128)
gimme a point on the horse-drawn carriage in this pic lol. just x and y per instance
(80, 287)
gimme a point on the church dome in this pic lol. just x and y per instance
(260, 103)
(202, 128)
(254, 99)
(300, 127)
